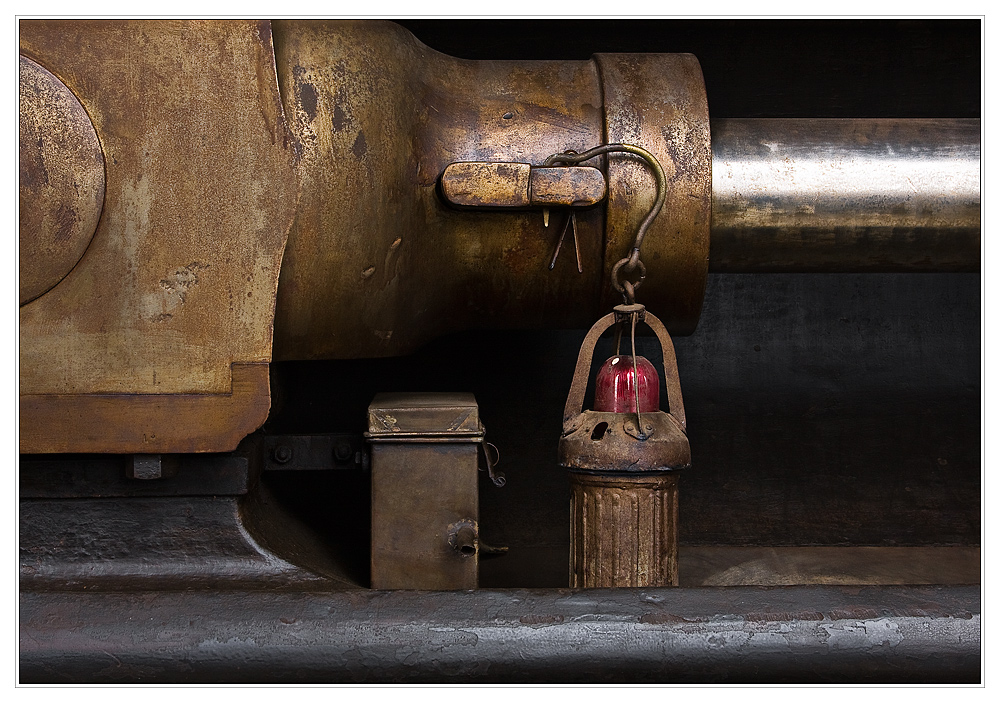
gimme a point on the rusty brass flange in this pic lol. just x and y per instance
(658, 102)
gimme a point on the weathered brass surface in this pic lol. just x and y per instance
(478, 184)
(60, 180)
(378, 263)
(623, 530)
(425, 490)
(147, 422)
(658, 102)
(178, 284)
(178, 281)
(576, 186)
(402, 416)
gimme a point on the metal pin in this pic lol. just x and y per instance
(552, 264)
(570, 221)
(576, 245)
(545, 216)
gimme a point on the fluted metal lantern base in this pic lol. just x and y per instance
(623, 529)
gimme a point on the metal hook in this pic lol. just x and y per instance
(499, 480)
(632, 261)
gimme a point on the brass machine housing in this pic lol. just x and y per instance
(257, 191)
(344, 130)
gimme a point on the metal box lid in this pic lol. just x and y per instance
(443, 417)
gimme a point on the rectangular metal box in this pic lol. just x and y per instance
(425, 490)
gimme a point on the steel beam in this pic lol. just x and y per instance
(723, 635)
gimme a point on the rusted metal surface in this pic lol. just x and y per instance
(658, 102)
(623, 500)
(60, 180)
(845, 195)
(425, 490)
(179, 282)
(644, 635)
(576, 186)
(148, 422)
(480, 184)
(380, 117)
(601, 441)
(623, 530)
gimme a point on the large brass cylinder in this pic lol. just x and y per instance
(377, 263)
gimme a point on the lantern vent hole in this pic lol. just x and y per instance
(599, 431)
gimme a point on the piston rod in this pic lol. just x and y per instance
(829, 195)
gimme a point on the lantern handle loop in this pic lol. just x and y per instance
(671, 377)
(578, 388)
(581, 376)
(634, 319)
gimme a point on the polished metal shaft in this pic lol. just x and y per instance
(845, 195)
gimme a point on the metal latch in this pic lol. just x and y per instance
(516, 185)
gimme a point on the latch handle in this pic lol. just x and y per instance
(515, 185)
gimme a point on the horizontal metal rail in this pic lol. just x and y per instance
(738, 634)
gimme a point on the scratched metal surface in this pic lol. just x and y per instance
(829, 195)
(720, 635)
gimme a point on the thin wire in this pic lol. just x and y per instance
(635, 379)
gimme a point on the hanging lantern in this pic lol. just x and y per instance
(623, 458)
(624, 455)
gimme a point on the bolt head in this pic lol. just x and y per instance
(282, 454)
(342, 451)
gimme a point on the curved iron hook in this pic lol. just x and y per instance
(571, 157)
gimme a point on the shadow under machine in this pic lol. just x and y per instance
(307, 392)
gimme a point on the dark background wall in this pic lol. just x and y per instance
(823, 409)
